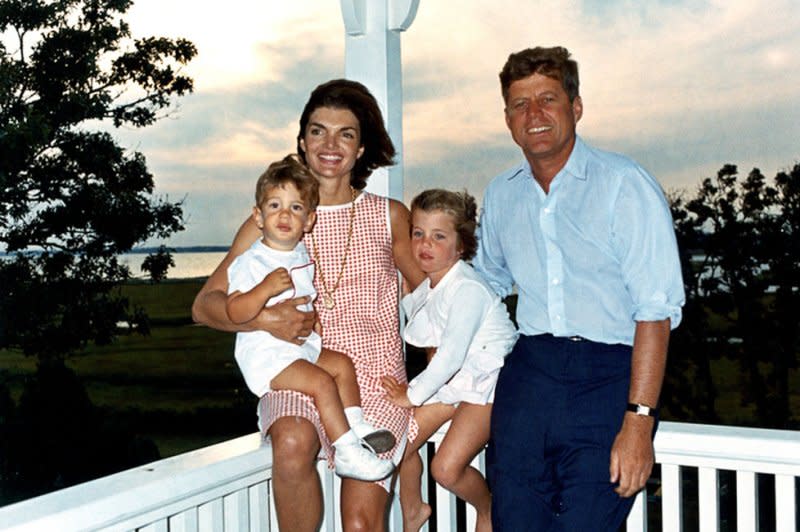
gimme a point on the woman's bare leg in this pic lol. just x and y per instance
(295, 446)
(364, 506)
(313, 380)
(416, 511)
(467, 435)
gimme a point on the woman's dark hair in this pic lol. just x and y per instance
(356, 98)
(461, 206)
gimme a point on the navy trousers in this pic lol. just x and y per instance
(558, 406)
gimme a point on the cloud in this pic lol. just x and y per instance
(681, 86)
(241, 42)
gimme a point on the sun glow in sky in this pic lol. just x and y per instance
(682, 86)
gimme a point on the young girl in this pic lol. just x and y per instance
(275, 268)
(456, 313)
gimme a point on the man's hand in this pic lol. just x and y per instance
(632, 455)
(396, 392)
(283, 320)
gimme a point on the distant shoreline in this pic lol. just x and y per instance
(148, 250)
(180, 249)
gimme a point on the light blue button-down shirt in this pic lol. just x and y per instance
(590, 258)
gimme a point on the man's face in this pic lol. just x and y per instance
(542, 119)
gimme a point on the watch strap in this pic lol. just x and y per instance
(642, 410)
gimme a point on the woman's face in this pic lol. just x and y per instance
(332, 143)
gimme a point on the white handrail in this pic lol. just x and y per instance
(227, 486)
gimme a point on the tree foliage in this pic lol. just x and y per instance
(157, 264)
(71, 198)
(742, 269)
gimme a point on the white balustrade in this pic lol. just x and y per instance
(227, 487)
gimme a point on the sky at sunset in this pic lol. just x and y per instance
(682, 86)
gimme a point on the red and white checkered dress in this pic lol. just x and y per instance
(364, 323)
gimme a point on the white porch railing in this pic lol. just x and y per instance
(226, 487)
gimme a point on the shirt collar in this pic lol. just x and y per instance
(576, 164)
(416, 299)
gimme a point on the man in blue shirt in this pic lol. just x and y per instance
(586, 237)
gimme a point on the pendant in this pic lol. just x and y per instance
(328, 301)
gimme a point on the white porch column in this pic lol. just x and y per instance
(372, 56)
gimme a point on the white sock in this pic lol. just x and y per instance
(348, 438)
(354, 415)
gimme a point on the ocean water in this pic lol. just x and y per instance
(187, 264)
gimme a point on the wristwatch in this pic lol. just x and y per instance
(642, 410)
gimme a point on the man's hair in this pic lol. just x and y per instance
(552, 62)
(356, 98)
(461, 206)
(289, 170)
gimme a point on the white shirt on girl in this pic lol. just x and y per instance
(469, 325)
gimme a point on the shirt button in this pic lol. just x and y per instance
(556, 281)
(558, 317)
(548, 210)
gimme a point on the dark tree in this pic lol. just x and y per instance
(72, 199)
(689, 392)
(784, 269)
(743, 284)
(157, 264)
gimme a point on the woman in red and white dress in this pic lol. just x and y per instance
(359, 242)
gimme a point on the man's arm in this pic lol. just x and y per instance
(490, 260)
(632, 454)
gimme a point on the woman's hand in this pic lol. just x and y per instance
(396, 393)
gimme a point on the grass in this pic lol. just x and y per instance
(161, 381)
(181, 383)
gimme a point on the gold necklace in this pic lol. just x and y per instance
(327, 296)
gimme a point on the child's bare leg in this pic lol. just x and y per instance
(415, 511)
(467, 435)
(351, 460)
(310, 379)
(340, 367)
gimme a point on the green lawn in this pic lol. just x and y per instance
(164, 382)
(180, 385)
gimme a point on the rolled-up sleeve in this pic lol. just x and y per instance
(644, 239)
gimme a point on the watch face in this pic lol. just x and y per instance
(641, 410)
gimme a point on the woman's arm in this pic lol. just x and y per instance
(282, 320)
(401, 244)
